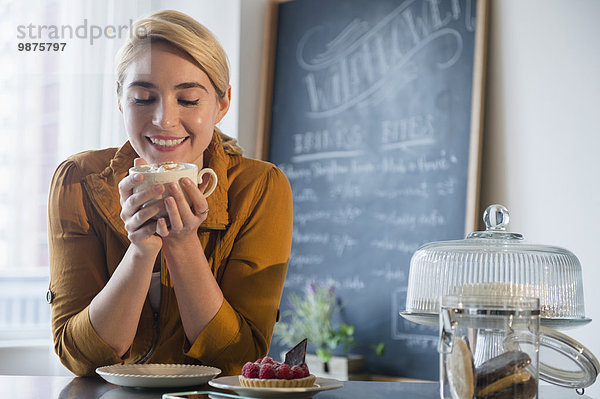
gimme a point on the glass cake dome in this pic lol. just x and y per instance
(493, 265)
(495, 262)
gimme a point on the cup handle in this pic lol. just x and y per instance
(213, 183)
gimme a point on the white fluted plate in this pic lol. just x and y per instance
(155, 375)
(232, 383)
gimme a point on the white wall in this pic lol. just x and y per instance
(253, 22)
(542, 132)
(542, 126)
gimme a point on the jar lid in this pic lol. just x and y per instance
(501, 263)
(566, 362)
(563, 361)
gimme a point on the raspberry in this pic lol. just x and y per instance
(304, 368)
(250, 370)
(267, 372)
(297, 372)
(266, 360)
(283, 372)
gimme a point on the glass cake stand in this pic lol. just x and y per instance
(501, 264)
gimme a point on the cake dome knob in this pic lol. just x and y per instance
(496, 217)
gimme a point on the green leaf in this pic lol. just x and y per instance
(347, 329)
(324, 355)
(379, 349)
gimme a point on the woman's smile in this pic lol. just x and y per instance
(165, 143)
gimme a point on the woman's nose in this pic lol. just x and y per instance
(165, 115)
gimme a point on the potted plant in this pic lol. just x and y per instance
(311, 316)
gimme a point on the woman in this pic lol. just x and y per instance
(201, 286)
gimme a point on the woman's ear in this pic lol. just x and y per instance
(119, 90)
(223, 105)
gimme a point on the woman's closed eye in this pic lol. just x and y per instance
(188, 103)
(143, 101)
(147, 101)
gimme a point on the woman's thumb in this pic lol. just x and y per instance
(139, 161)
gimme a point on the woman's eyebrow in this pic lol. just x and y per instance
(143, 84)
(180, 86)
(190, 85)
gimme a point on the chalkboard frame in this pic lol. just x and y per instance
(477, 107)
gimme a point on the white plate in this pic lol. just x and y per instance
(157, 375)
(232, 383)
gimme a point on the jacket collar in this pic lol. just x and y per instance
(102, 188)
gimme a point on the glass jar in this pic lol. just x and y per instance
(489, 347)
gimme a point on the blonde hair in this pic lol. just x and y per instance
(186, 34)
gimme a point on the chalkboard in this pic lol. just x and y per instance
(375, 120)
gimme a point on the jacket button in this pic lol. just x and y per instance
(49, 296)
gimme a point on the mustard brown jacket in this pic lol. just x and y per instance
(246, 238)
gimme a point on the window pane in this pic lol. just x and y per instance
(52, 104)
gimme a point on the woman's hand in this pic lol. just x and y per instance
(140, 226)
(184, 217)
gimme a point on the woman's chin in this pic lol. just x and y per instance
(159, 154)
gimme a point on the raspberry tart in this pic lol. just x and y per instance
(268, 373)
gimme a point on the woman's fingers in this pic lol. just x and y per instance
(142, 233)
(135, 201)
(181, 202)
(186, 206)
(161, 227)
(198, 204)
(141, 217)
(138, 211)
(174, 212)
(127, 185)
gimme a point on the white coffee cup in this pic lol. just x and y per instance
(168, 172)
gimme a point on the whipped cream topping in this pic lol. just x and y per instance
(161, 167)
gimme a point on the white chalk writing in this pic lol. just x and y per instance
(390, 273)
(420, 191)
(403, 133)
(330, 169)
(339, 141)
(342, 215)
(348, 191)
(340, 243)
(446, 187)
(394, 245)
(407, 220)
(306, 195)
(443, 162)
(300, 261)
(356, 64)
(295, 173)
(311, 238)
(395, 219)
